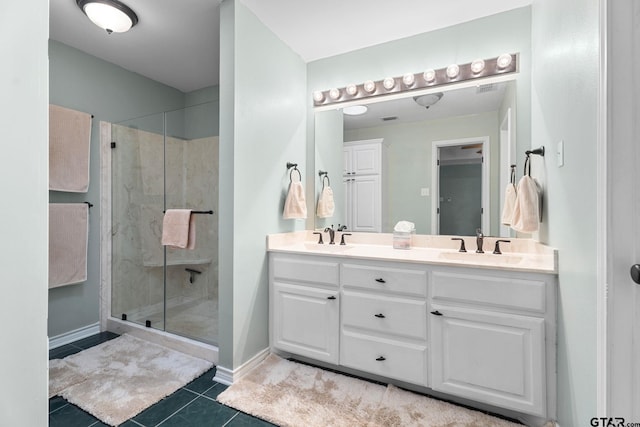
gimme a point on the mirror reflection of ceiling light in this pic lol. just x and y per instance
(111, 15)
(355, 110)
(428, 100)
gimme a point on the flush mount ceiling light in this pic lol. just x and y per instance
(111, 15)
(428, 100)
(355, 110)
(455, 73)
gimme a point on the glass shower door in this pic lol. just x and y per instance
(191, 165)
(137, 209)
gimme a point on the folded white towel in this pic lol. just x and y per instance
(68, 238)
(179, 229)
(69, 146)
(295, 206)
(510, 195)
(526, 212)
(326, 204)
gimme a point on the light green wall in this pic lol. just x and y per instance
(409, 149)
(83, 82)
(565, 79)
(263, 94)
(24, 228)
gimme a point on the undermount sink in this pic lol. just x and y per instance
(327, 247)
(485, 258)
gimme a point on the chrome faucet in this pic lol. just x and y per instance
(479, 241)
(332, 234)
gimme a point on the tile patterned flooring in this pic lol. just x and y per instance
(194, 405)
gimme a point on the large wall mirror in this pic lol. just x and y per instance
(446, 160)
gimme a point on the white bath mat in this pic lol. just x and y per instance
(122, 377)
(296, 395)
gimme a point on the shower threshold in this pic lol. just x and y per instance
(176, 342)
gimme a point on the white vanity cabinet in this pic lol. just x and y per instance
(478, 334)
(305, 306)
(491, 338)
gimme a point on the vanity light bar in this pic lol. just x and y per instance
(454, 73)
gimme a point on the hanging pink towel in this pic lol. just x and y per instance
(68, 238)
(179, 229)
(69, 147)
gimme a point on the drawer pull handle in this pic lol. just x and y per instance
(331, 297)
(436, 313)
(381, 358)
(380, 316)
(381, 280)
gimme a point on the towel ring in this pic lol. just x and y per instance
(324, 175)
(513, 174)
(527, 163)
(295, 168)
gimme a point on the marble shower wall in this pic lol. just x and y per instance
(139, 179)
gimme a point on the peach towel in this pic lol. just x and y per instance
(69, 147)
(326, 204)
(295, 206)
(179, 229)
(68, 238)
(510, 198)
(526, 212)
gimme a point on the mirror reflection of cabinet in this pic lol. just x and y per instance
(362, 172)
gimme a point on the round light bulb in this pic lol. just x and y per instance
(369, 86)
(352, 89)
(477, 66)
(452, 71)
(334, 93)
(430, 75)
(408, 79)
(504, 60)
(389, 83)
(318, 96)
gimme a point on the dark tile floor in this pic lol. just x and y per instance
(194, 405)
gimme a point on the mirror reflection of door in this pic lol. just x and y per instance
(459, 177)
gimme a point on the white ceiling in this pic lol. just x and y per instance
(176, 42)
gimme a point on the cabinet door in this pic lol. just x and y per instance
(305, 321)
(366, 209)
(490, 357)
(365, 159)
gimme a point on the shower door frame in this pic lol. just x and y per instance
(107, 321)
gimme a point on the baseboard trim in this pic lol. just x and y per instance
(227, 376)
(75, 335)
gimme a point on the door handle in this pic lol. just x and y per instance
(381, 280)
(436, 313)
(331, 297)
(379, 316)
(635, 273)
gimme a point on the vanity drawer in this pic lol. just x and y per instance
(388, 358)
(495, 291)
(384, 314)
(305, 270)
(374, 278)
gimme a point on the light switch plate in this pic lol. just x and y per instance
(560, 153)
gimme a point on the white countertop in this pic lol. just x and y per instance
(518, 255)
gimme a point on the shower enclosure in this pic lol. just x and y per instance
(164, 161)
